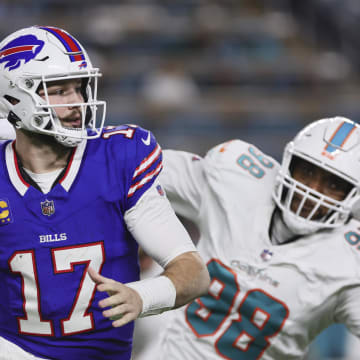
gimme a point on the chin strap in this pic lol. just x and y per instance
(68, 141)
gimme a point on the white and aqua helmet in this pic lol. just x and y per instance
(31, 58)
(333, 144)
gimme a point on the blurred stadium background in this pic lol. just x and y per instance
(199, 72)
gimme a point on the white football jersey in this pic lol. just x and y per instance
(265, 301)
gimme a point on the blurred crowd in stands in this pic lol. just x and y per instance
(213, 69)
(198, 72)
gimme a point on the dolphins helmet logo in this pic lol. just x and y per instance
(22, 48)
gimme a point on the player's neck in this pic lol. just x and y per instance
(40, 153)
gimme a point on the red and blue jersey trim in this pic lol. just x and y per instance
(147, 171)
(71, 45)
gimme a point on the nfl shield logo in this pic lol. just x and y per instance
(160, 190)
(266, 255)
(47, 207)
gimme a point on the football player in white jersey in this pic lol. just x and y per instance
(280, 244)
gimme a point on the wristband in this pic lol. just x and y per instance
(158, 294)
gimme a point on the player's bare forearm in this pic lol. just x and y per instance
(189, 274)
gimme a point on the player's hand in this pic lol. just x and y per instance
(125, 302)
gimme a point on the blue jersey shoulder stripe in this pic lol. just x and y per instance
(148, 162)
(149, 176)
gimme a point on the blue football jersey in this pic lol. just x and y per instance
(49, 304)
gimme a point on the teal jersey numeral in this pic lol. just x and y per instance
(248, 163)
(261, 316)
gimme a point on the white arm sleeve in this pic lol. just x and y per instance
(154, 225)
(7, 131)
(183, 179)
(347, 310)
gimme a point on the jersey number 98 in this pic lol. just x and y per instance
(242, 334)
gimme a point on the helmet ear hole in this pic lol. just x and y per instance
(12, 100)
(14, 119)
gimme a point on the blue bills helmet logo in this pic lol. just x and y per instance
(22, 48)
(48, 207)
(5, 212)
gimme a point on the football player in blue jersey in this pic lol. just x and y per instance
(76, 200)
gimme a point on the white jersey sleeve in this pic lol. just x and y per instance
(7, 131)
(347, 312)
(156, 228)
(183, 178)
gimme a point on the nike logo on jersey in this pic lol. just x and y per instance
(147, 140)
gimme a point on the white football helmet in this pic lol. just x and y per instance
(31, 58)
(333, 144)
